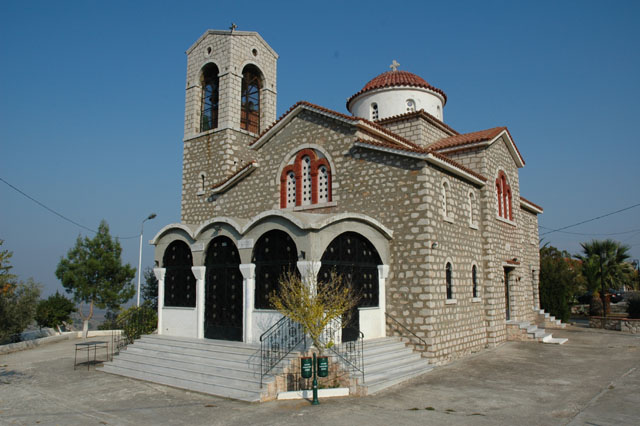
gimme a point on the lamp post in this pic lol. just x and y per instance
(151, 216)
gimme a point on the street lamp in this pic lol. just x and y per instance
(151, 216)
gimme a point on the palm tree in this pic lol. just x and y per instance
(604, 264)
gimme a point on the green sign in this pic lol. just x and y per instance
(323, 366)
(306, 367)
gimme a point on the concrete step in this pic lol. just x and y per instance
(229, 369)
(183, 383)
(389, 361)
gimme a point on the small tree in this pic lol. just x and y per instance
(314, 306)
(54, 311)
(94, 273)
(17, 300)
(557, 282)
(149, 291)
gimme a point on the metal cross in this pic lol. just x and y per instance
(233, 27)
(394, 65)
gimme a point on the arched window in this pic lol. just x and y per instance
(374, 111)
(445, 199)
(503, 193)
(411, 105)
(474, 280)
(439, 112)
(250, 102)
(210, 93)
(323, 184)
(291, 189)
(305, 182)
(274, 255)
(449, 279)
(472, 205)
(179, 284)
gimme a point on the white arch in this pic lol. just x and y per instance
(319, 224)
(223, 219)
(170, 227)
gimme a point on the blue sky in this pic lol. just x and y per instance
(92, 102)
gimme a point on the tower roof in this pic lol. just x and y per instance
(396, 78)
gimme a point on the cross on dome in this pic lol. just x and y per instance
(394, 65)
(233, 27)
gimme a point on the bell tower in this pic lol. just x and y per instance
(230, 99)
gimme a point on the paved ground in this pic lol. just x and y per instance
(594, 379)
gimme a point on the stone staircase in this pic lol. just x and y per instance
(523, 330)
(216, 367)
(547, 320)
(232, 369)
(389, 361)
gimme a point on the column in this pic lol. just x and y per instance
(309, 272)
(383, 273)
(248, 271)
(199, 273)
(160, 273)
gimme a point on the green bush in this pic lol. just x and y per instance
(633, 308)
(54, 311)
(137, 321)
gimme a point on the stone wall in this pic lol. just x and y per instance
(626, 325)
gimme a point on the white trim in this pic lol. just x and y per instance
(222, 219)
(451, 301)
(507, 221)
(391, 88)
(239, 175)
(476, 300)
(528, 206)
(314, 206)
(511, 146)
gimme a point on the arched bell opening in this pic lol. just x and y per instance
(356, 259)
(223, 309)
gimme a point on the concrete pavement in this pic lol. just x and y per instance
(594, 379)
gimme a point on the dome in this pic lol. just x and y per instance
(396, 79)
(394, 93)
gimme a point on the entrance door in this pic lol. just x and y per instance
(223, 307)
(507, 303)
(354, 257)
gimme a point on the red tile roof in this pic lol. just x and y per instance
(467, 138)
(395, 79)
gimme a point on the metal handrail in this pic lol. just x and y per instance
(276, 344)
(403, 326)
(358, 359)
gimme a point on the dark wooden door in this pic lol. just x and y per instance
(223, 291)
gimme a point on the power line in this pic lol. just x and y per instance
(592, 233)
(590, 220)
(60, 215)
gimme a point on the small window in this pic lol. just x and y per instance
(439, 112)
(411, 105)
(202, 182)
(449, 284)
(306, 181)
(445, 199)
(474, 280)
(374, 111)
(323, 184)
(472, 209)
(503, 193)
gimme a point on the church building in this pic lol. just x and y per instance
(428, 224)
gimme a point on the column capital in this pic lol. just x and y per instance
(198, 272)
(248, 271)
(309, 269)
(383, 271)
(159, 273)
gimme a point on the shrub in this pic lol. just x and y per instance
(137, 321)
(633, 308)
